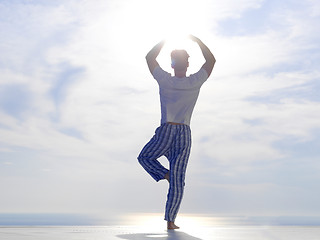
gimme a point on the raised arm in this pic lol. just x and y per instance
(152, 56)
(208, 56)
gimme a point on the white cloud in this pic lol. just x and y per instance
(243, 126)
(94, 103)
(232, 9)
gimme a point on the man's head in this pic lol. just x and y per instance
(179, 60)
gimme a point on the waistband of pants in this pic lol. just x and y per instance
(173, 123)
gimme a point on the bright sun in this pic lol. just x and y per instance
(142, 24)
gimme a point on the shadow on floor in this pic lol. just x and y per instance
(169, 235)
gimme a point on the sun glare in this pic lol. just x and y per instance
(195, 225)
(181, 41)
(143, 27)
(178, 41)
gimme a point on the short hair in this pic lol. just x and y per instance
(179, 54)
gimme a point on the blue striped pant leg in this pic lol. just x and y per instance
(155, 148)
(178, 158)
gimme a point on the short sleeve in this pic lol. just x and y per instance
(160, 75)
(198, 78)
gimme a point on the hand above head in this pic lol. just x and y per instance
(194, 38)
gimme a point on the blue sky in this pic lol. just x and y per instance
(77, 104)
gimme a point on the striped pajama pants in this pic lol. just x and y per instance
(173, 142)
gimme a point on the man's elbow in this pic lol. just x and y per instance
(149, 58)
(212, 60)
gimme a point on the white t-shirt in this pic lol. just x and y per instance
(178, 96)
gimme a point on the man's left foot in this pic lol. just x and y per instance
(172, 226)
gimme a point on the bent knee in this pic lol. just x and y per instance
(141, 160)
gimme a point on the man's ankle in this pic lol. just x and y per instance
(167, 176)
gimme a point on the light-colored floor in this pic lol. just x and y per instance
(153, 227)
(137, 233)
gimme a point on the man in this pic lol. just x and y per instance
(178, 96)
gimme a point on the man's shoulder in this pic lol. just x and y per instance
(158, 70)
(160, 74)
(201, 74)
(198, 78)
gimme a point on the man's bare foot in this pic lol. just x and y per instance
(167, 176)
(171, 225)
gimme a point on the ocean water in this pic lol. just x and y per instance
(152, 227)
